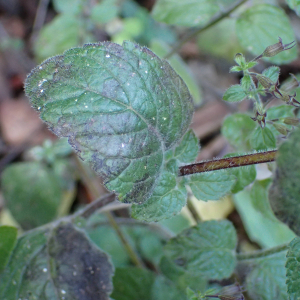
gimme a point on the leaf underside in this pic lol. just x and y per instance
(121, 108)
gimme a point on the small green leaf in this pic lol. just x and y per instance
(285, 189)
(246, 83)
(266, 281)
(262, 139)
(244, 175)
(251, 64)
(191, 13)
(272, 73)
(236, 129)
(211, 249)
(235, 93)
(259, 27)
(166, 201)
(235, 69)
(295, 5)
(121, 107)
(132, 284)
(34, 188)
(162, 49)
(293, 269)
(52, 263)
(8, 236)
(211, 185)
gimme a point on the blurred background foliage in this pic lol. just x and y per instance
(41, 178)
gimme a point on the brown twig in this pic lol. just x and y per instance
(230, 162)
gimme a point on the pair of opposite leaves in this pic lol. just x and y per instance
(122, 109)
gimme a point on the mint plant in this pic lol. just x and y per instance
(126, 112)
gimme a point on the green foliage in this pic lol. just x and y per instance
(262, 139)
(191, 13)
(162, 49)
(8, 236)
(211, 185)
(110, 98)
(284, 192)
(59, 259)
(293, 269)
(211, 250)
(266, 280)
(260, 25)
(235, 93)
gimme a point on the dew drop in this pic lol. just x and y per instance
(86, 106)
(107, 55)
(63, 291)
(74, 273)
(45, 270)
(164, 118)
(123, 145)
(128, 83)
(42, 91)
(39, 108)
(76, 100)
(40, 68)
(146, 72)
(145, 167)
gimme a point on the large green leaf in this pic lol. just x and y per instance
(8, 236)
(294, 4)
(56, 263)
(211, 185)
(266, 281)
(293, 269)
(284, 193)
(207, 250)
(121, 108)
(32, 192)
(188, 13)
(259, 27)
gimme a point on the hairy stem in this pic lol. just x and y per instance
(230, 162)
(94, 192)
(217, 18)
(262, 253)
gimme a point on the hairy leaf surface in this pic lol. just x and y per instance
(293, 269)
(54, 264)
(121, 108)
(284, 193)
(207, 250)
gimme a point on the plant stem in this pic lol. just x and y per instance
(193, 211)
(262, 253)
(230, 162)
(194, 32)
(94, 191)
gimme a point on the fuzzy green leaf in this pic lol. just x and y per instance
(188, 13)
(272, 73)
(259, 27)
(246, 83)
(211, 249)
(293, 269)
(121, 108)
(295, 5)
(266, 281)
(166, 201)
(211, 185)
(236, 129)
(8, 236)
(284, 193)
(262, 139)
(235, 93)
(34, 188)
(56, 263)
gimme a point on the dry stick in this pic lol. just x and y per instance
(230, 162)
(93, 190)
(196, 31)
